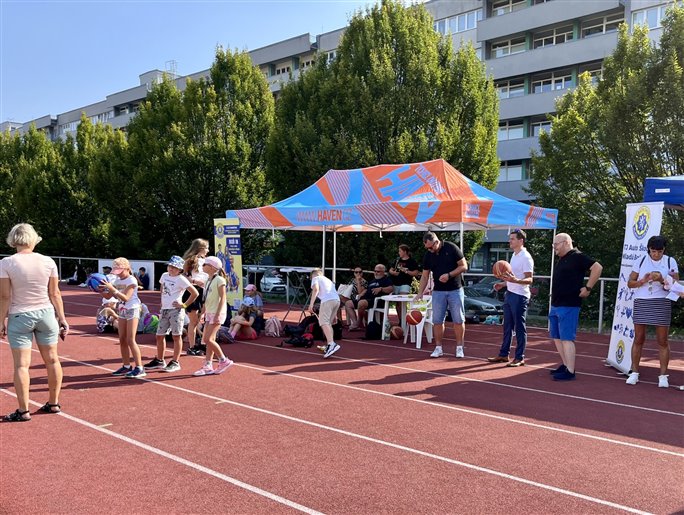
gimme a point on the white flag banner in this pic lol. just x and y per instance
(642, 221)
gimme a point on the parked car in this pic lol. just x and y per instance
(273, 282)
(478, 307)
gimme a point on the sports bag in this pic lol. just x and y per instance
(273, 327)
(306, 340)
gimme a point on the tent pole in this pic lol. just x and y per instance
(323, 264)
(553, 255)
(334, 271)
(461, 236)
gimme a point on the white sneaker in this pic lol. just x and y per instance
(663, 382)
(332, 349)
(437, 353)
(633, 378)
(459, 352)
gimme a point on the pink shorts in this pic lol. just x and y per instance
(215, 318)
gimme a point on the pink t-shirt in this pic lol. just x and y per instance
(29, 275)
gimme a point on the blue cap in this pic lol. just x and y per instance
(176, 262)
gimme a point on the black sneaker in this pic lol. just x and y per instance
(173, 366)
(155, 364)
(561, 368)
(565, 375)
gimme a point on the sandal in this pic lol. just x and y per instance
(50, 408)
(17, 416)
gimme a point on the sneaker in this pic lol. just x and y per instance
(459, 352)
(516, 363)
(206, 370)
(121, 371)
(332, 349)
(437, 353)
(561, 368)
(136, 373)
(565, 375)
(223, 365)
(663, 382)
(499, 359)
(192, 351)
(155, 364)
(633, 378)
(173, 366)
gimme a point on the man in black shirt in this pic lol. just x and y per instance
(377, 287)
(447, 264)
(567, 292)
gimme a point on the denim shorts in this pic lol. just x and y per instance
(22, 327)
(402, 289)
(453, 300)
(130, 314)
(563, 322)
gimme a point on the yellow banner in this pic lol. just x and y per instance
(229, 250)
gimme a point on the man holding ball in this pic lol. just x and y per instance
(517, 299)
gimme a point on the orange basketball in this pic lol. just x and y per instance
(414, 317)
(396, 333)
(501, 268)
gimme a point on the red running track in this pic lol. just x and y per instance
(377, 428)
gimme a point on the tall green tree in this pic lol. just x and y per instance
(10, 151)
(395, 93)
(191, 155)
(606, 139)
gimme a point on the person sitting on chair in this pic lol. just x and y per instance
(380, 285)
(359, 286)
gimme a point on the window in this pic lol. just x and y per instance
(477, 261)
(552, 37)
(512, 129)
(306, 64)
(102, 117)
(511, 171)
(284, 70)
(511, 88)
(330, 56)
(538, 127)
(69, 127)
(460, 23)
(500, 7)
(508, 47)
(601, 25)
(652, 17)
(551, 82)
(594, 69)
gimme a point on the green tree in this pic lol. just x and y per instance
(607, 139)
(190, 156)
(395, 93)
(10, 150)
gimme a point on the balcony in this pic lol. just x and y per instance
(516, 149)
(584, 50)
(120, 121)
(542, 15)
(529, 105)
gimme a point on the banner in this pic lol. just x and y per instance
(229, 251)
(642, 221)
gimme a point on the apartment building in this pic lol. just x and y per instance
(534, 50)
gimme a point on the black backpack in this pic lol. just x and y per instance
(305, 341)
(373, 331)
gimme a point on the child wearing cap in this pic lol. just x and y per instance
(214, 312)
(242, 324)
(172, 285)
(125, 290)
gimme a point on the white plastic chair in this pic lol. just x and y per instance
(425, 307)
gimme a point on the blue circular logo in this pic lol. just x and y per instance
(641, 222)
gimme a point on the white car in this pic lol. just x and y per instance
(274, 282)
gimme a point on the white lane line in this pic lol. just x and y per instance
(205, 470)
(343, 432)
(482, 381)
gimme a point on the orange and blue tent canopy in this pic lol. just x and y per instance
(431, 195)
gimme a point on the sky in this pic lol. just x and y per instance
(59, 55)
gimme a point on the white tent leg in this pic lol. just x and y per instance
(323, 259)
(553, 255)
(334, 270)
(461, 236)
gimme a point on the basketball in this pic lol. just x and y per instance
(396, 333)
(501, 268)
(414, 317)
(95, 280)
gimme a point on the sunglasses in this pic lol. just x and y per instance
(358, 271)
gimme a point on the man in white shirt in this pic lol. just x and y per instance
(516, 301)
(324, 289)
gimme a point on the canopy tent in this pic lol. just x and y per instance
(669, 190)
(431, 195)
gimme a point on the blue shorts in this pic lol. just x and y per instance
(563, 322)
(453, 300)
(22, 327)
(402, 289)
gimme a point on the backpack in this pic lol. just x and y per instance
(302, 327)
(223, 336)
(373, 331)
(306, 340)
(273, 327)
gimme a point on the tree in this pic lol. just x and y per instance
(191, 155)
(395, 93)
(606, 139)
(10, 150)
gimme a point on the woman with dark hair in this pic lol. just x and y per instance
(29, 294)
(651, 307)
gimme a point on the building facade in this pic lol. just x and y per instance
(535, 51)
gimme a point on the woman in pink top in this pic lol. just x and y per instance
(29, 299)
